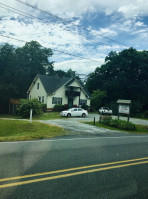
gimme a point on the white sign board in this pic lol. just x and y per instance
(124, 109)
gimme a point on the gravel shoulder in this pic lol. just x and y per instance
(75, 127)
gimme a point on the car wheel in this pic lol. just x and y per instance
(68, 115)
(83, 115)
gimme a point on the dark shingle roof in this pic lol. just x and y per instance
(51, 83)
(81, 84)
(85, 89)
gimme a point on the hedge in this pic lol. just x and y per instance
(121, 124)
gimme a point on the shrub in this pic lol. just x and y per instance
(121, 124)
(146, 114)
(85, 107)
(44, 107)
(59, 108)
(25, 105)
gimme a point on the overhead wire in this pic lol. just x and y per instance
(2, 35)
(61, 19)
(70, 54)
(32, 16)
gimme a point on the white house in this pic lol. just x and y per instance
(53, 90)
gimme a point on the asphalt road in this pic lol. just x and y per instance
(75, 167)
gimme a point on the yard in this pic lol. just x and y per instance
(11, 130)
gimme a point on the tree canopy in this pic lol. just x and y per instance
(19, 66)
(124, 75)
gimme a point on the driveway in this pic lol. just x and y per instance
(74, 125)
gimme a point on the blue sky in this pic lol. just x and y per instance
(85, 28)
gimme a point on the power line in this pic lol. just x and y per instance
(61, 19)
(46, 22)
(20, 12)
(9, 8)
(52, 49)
(50, 14)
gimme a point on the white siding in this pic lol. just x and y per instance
(59, 93)
(36, 93)
(74, 84)
(83, 96)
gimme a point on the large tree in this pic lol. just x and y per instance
(18, 67)
(124, 75)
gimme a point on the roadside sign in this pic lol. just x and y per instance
(124, 109)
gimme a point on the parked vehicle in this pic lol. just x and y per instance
(74, 112)
(105, 111)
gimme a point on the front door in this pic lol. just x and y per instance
(70, 102)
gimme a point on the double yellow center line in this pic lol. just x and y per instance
(83, 170)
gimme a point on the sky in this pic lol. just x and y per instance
(81, 33)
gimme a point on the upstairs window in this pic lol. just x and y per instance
(56, 100)
(38, 85)
(83, 102)
(42, 99)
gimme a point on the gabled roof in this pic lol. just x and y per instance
(51, 83)
(85, 89)
(81, 85)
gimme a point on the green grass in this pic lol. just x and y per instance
(10, 116)
(139, 128)
(11, 130)
(49, 116)
(43, 116)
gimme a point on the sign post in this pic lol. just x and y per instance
(124, 108)
(31, 116)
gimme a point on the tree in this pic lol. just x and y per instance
(98, 99)
(25, 105)
(124, 75)
(18, 67)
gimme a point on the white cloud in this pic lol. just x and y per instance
(129, 8)
(81, 66)
(140, 24)
(70, 8)
(70, 38)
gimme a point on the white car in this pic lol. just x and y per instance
(74, 112)
(105, 111)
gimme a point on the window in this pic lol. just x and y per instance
(42, 99)
(79, 109)
(83, 102)
(39, 98)
(56, 100)
(38, 85)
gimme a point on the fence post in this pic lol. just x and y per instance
(94, 120)
(31, 116)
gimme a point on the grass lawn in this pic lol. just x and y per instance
(43, 116)
(10, 116)
(11, 130)
(49, 116)
(139, 128)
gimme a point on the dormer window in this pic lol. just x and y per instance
(38, 85)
